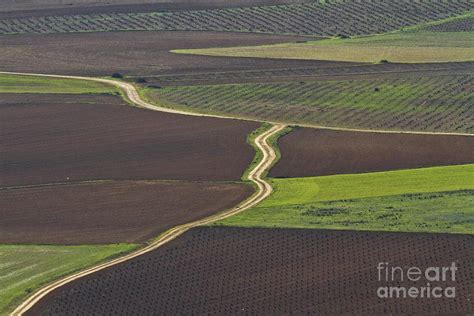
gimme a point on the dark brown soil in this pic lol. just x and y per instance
(229, 271)
(313, 152)
(19, 9)
(62, 138)
(109, 212)
(146, 53)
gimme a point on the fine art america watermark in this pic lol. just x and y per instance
(431, 282)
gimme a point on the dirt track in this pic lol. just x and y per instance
(132, 94)
(264, 190)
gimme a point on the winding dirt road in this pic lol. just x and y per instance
(133, 95)
(255, 175)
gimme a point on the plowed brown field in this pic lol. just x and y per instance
(109, 212)
(64, 138)
(229, 271)
(313, 152)
(146, 53)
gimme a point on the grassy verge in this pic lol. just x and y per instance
(392, 201)
(25, 268)
(32, 84)
(258, 154)
(402, 47)
(273, 140)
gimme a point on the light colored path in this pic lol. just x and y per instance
(133, 95)
(264, 190)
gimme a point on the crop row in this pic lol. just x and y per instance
(290, 74)
(458, 25)
(233, 271)
(433, 103)
(349, 17)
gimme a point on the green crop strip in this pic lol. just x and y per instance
(37, 84)
(439, 199)
(401, 47)
(25, 268)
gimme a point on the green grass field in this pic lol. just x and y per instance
(392, 201)
(402, 47)
(25, 268)
(32, 84)
(432, 103)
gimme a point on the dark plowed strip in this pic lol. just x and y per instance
(110, 212)
(68, 138)
(313, 152)
(146, 53)
(228, 271)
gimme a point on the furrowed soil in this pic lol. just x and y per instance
(109, 211)
(16, 9)
(313, 152)
(147, 53)
(71, 138)
(218, 271)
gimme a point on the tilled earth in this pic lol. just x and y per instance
(313, 152)
(70, 138)
(221, 271)
(110, 211)
(146, 53)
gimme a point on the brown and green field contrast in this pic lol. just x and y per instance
(415, 46)
(439, 199)
(431, 103)
(23, 268)
(35, 84)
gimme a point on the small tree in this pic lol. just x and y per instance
(117, 75)
(140, 80)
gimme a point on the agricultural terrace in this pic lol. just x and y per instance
(431, 103)
(402, 47)
(324, 18)
(23, 268)
(438, 199)
(225, 271)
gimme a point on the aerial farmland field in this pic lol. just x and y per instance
(236, 157)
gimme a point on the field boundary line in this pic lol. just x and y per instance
(133, 95)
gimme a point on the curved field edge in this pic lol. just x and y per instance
(26, 268)
(437, 199)
(414, 46)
